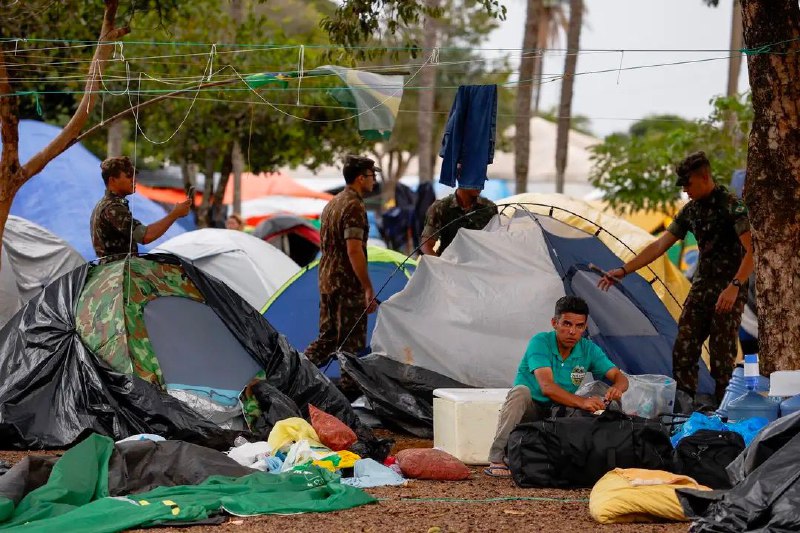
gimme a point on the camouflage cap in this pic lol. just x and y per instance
(690, 163)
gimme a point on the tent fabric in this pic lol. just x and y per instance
(258, 209)
(468, 315)
(253, 268)
(83, 492)
(295, 236)
(32, 257)
(623, 238)
(294, 308)
(74, 183)
(59, 383)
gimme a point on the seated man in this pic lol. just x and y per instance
(552, 369)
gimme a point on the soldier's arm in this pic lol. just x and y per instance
(746, 266)
(119, 217)
(429, 233)
(160, 227)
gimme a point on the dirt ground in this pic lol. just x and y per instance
(437, 507)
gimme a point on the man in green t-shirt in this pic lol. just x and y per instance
(552, 369)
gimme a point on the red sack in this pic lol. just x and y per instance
(331, 431)
(429, 463)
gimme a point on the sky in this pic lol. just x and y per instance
(614, 100)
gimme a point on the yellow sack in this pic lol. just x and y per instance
(291, 430)
(338, 460)
(638, 495)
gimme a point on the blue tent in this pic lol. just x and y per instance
(61, 197)
(294, 309)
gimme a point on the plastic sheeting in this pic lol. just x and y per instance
(32, 257)
(53, 389)
(253, 268)
(767, 487)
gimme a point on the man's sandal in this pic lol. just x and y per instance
(497, 471)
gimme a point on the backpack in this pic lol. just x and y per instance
(576, 452)
(705, 454)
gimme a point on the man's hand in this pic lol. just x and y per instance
(369, 300)
(613, 394)
(182, 209)
(727, 298)
(610, 278)
(592, 404)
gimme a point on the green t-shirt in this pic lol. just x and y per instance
(568, 373)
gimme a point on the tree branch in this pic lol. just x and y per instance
(65, 138)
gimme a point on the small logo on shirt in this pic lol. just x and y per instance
(577, 375)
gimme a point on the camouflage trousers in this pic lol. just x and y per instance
(699, 321)
(342, 323)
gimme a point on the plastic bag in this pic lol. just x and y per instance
(649, 395)
(591, 389)
(289, 431)
(332, 432)
(696, 422)
(429, 463)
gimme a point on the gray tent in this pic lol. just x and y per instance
(31, 258)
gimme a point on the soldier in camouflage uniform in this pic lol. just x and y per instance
(716, 300)
(115, 233)
(344, 285)
(463, 209)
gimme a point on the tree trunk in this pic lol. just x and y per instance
(425, 143)
(567, 86)
(237, 162)
(13, 174)
(735, 62)
(204, 212)
(114, 138)
(522, 120)
(542, 38)
(772, 188)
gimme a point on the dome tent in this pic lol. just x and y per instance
(294, 308)
(96, 349)
(31, 258)
(293, 235)
(251, 267)
(465, 318)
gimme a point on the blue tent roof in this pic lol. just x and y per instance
(61, 197)
(294, 309)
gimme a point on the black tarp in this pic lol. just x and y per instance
(766, 494)
(53, 390)
(400, 395)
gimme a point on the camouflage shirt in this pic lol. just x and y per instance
(717, 221)
(114, 230)
(444, 213)
(345, 217)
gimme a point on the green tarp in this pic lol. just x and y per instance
(76, 496)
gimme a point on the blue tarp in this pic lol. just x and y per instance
(61, 197)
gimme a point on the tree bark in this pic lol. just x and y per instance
(734, 63)
(115, 134)
(772, 188)
(542, 38)
(237, 162)
(13, 174)
(425, 143)
(522, 120)
(567, 87)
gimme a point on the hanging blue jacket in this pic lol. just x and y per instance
(469, 137)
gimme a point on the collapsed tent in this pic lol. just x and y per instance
(62, 196)
(30, 259)
(294, 308)
(465, 318)
(293, 235)
(251, 267)
(97, 348)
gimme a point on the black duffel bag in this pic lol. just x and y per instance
(576, 452)
(705, 454)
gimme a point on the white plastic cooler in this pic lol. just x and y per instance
(465, 420)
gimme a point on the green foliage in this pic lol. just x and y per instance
(579, 123)
(637, 170)
(359, 22)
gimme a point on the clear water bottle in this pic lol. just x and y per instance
(751, 374)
